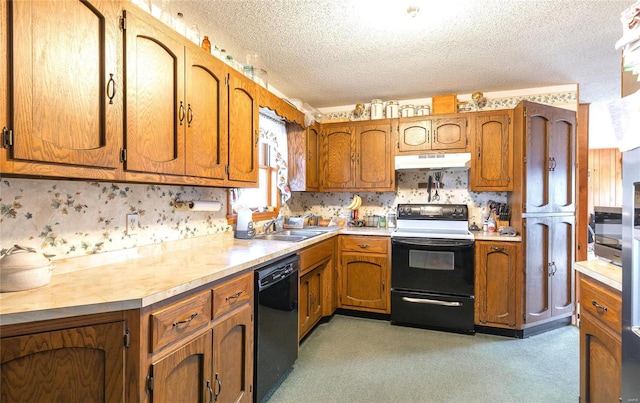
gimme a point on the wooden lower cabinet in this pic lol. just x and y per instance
(600, 342)
(497, 291)
(78, 360)
(316, 293)
(185, 374)
(310, 301)
(364, 273)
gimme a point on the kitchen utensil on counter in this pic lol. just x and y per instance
(429, 184)
(437, 176)
(22, 268)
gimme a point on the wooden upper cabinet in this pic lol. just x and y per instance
(492, 151)
(206, 119)
(357, 156)
(433, 133)
(549, 151)
(303, 147)
(156, 107)
(243, 130)
(66, 61)
(373, 157)
(338, 165)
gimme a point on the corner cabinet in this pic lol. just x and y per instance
(491, 151)
(364, 273)
(49, 361)
(600, 341)
(497, 291)
(439, 133)
(65, 94)
(357, 156)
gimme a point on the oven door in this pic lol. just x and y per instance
(433, 265)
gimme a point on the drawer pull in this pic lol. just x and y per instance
(182, 322)
(600, 308)
(363, 245)
(497, 248)
(234, 297)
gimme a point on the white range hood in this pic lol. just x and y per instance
(433, 161)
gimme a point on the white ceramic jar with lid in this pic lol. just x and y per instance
(376, 109)
(423, 110)
(391, 110)
(22, 268)
(407, 111)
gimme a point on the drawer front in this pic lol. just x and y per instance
(369, 244)
(314, 254)
(180, 319)
(231, 294)
(601, 302)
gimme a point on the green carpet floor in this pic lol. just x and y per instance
(364, 360)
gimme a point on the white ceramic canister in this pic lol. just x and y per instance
(407, 111)
(376, 109)
(391, 110)
(423, 110)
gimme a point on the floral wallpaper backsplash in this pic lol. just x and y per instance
(73, 218)
(455, 190)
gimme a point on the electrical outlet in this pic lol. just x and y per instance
(133, 222)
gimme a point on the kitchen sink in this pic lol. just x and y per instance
(290, 235)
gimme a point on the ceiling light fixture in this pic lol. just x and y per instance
(412, 11)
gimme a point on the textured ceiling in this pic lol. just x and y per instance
(341, 52)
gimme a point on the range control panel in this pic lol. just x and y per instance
(443, 212)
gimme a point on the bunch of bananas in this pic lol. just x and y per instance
(356, 202)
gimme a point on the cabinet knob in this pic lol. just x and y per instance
(363, 245)
(600, 308)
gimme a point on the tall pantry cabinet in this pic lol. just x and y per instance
(543, 205)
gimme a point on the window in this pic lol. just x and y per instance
(272, 164)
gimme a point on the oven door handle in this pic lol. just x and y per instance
(431, 301)
(422, 242)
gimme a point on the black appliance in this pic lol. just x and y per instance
(432, 268)
(608, 233)
(276, 324)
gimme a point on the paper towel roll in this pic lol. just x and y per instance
(202, 205)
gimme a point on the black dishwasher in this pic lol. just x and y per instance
(276, 324)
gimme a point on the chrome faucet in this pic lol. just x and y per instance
(271, 224)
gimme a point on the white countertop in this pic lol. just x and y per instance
(602, 271)
(138, 277)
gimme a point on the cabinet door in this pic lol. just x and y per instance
(496, 283)
(313, 158)
(414, 135)
(233, 357)
(364, 282)
(67, 82)
(53, 366)
(492, 157)
(600, 362)
(243, 130)
(538, 271)
(156, 106)
(562, 257)
(373, 157)
(206, 120)
(184, 375)
(562, 148)
(450, 133)
(338, 158)
(310, 304)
